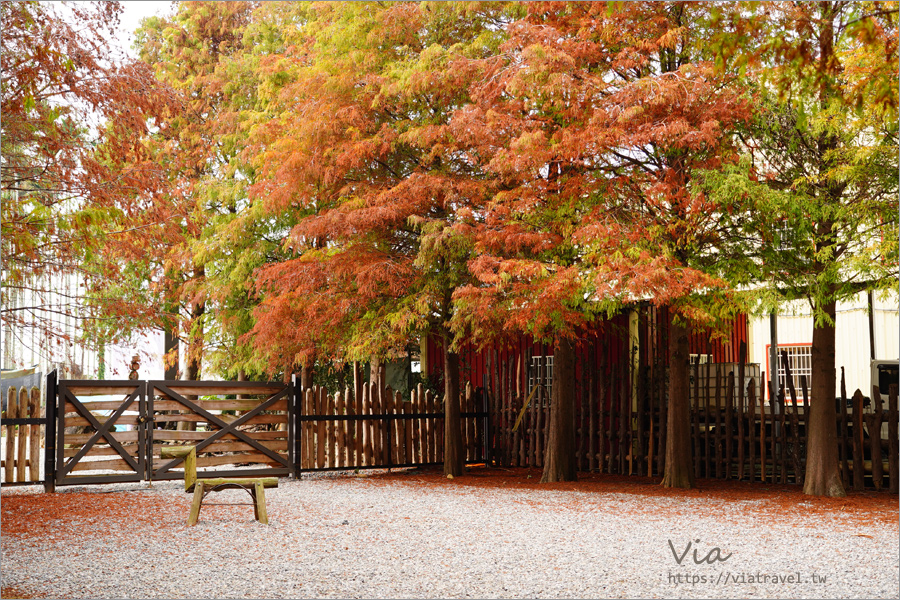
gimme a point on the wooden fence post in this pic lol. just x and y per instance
(695, 419)
(34, 436)
(592, 412)
(893, 445)
(762, 431)
(421, 426)
(311, 428)
(708, 452)
(842, 443)
(719, 449)
(348, 428)
(469, 423)
(12, 412)
(751, 423)
(663, 421)
(729, 425)
(331, 435)
(624, 416)
(804, 390)
(858, 468)
(782, 436)
(50, 434)
(741, 409)
(641, 419)
(875, 439)
(358, 435)
(22, 436)
(613, 408)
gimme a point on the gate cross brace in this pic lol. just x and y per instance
(225, 428)
(102, 430)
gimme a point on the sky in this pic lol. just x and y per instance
(130, 19)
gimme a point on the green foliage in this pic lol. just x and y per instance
(817, 199)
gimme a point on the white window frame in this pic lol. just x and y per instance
(533, 378)
(800, 359)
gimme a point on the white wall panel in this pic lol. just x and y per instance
(795, 325)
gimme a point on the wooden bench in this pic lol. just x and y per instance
(255, 486)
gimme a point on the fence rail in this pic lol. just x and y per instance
(736, 432)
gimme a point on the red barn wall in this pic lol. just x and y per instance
(605, 344)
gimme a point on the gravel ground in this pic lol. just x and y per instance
(402, 537)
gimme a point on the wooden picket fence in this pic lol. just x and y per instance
(865, 452)
(369, 426)
(22, 441)
(736, 431)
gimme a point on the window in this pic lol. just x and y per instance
(800, 360)
(705, 389)
(534, 375)
(887, 375)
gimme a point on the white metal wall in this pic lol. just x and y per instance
(25, 346)
(795, 327)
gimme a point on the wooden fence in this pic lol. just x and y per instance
(736, 432)
(22, 441)
(374, 427)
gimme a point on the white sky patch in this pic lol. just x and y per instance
(130, 19)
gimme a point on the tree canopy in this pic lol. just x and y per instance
(331, 182)
(74, 117)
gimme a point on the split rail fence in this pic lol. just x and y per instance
(276, 429)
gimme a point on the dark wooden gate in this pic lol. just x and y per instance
(88, 434)
(243, 424)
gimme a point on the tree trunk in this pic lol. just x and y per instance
(170, 358)
(823, 476)
(307, 374)
(559, 457)
(170, 325)
(454, 458)
(679, 471)
(375, 372)
(822, 470)
(195, 349)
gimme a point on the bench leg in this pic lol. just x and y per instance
(195, 505)
(259, 503)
